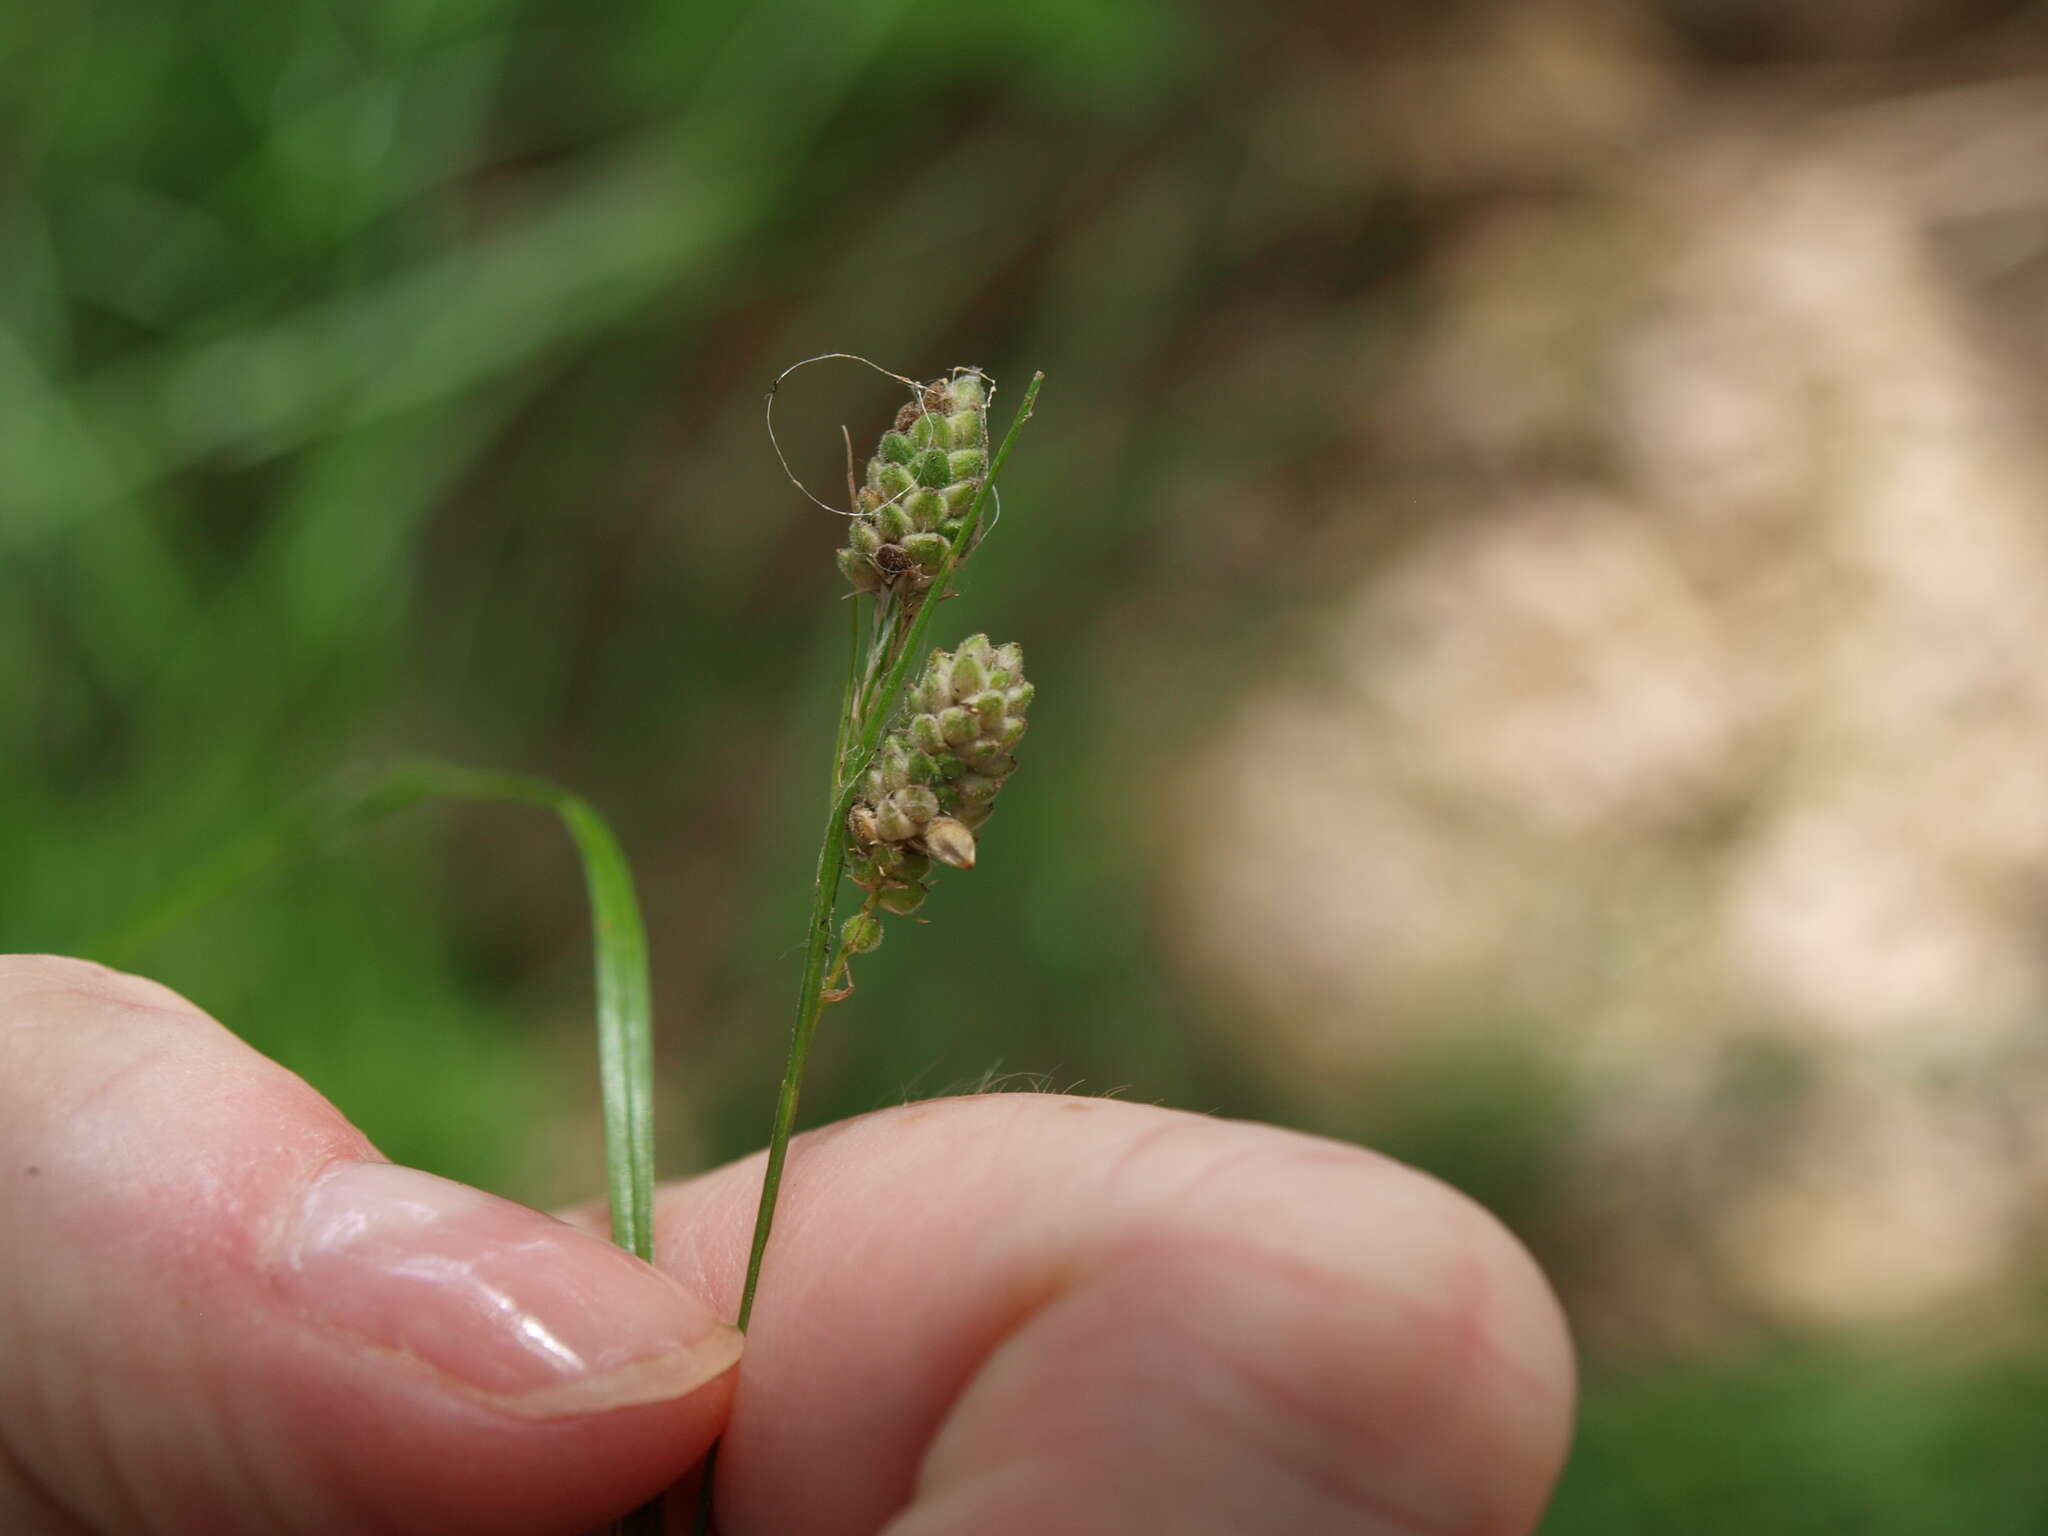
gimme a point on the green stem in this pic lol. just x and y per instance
(831, 865)
(849, 699)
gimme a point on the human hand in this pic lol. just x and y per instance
(222, 1312)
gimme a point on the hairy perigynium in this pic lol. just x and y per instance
(920, 483)
(932, 783)
(939, 771)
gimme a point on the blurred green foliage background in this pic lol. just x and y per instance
(386, 378)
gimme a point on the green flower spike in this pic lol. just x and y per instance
(937, 774)
(921, 481)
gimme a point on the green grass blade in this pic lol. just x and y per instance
(625, 1035)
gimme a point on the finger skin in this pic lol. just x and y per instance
(160, 1368)
(1024, 1313)
(1019, 1313)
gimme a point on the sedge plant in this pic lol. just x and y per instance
(923, 747)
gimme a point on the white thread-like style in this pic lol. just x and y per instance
(916, 393)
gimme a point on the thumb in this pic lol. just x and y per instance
(221, 1311)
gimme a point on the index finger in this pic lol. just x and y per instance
(1031, 1312)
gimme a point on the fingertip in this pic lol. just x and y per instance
(1516, 1311)
(1308, 1337)
(237, 1317)
(1102, 1316)
(1436, 1337)
(525, 1314)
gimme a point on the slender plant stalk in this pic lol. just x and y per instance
(896, 642)
(832, 861)
(848, 701)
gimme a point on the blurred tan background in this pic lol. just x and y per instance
(1533, 551)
